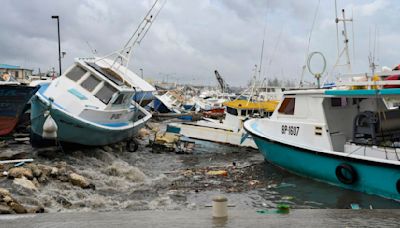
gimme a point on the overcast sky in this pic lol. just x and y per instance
(192, 38)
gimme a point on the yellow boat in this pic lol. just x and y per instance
(267, 106)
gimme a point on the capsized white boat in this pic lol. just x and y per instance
(91, 102)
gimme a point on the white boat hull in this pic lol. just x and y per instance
(212, 133)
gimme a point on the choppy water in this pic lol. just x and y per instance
(146, 180)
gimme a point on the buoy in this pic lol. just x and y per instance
(49, 128)
(220, 207)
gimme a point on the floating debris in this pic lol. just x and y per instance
(355, 206)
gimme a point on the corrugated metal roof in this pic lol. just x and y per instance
(7, 66)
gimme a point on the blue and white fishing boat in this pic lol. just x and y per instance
(92, 102)
(348, 138)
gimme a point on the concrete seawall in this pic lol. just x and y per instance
(202, 218)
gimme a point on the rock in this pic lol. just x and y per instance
(25, 184)
(43, 179)
(19, 172)
(4, 209)
(8, 199)
(35, 209)
(143, 132)
(80, 181)
(17, 207)
(36, 182)
(54, 172)
(36, 171)
(10, 154)
(61, 165)
(64, 202)
(62, 172)
(46, 170)
(107, 149)
(4, 192)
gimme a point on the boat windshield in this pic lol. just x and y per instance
(105, 93)
(287, 106)
(232, 111)
(90, 83)
(76, 73)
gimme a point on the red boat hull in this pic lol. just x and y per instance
(214, 113)
(13, 100)
(7, 125)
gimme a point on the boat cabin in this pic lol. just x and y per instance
(341, 120)
(238, 111)
(91, 86)
(244, 108)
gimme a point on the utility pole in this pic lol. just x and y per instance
(59, 43)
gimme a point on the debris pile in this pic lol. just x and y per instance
(231, 178)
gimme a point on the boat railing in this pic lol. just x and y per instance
(368, 83)
(370, 75)
(86, 58)
(368, 79)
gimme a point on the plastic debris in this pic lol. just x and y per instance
(253, 182)
(217, 173)
(285, 185)
(287, 197)
(262, 211)
(16, 161)
(283, 208)
(19, 164)
(355, 206)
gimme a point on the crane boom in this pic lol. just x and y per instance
(222, 84)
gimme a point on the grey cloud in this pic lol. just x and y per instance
(190, 39)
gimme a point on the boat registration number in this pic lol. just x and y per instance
(290, 130)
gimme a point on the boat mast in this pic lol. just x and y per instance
(123, 55)
(345, 50)
(371, 56)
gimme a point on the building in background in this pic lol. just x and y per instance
(20, 74)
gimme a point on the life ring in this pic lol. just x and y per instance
(351, 175)
(398, 185)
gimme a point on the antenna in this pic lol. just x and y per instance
(352, 36)
(372, 55)
(345, 50)
(337, 28)
(94, 51)
(261, 57)
(309, 42)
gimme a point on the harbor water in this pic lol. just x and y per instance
(145, 180)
